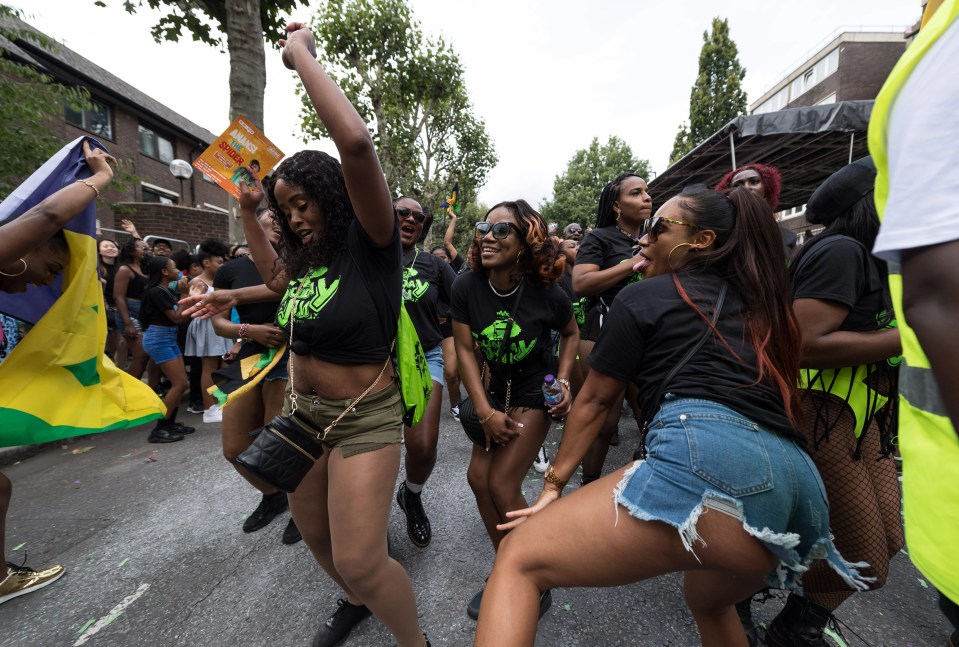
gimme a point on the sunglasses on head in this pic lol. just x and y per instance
(404, 212)
(500, 229)
(653, 227)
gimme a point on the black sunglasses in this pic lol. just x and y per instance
(418, 216)
(653, 227)
(500, 229)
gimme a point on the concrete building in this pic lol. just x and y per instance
(849, 65)
(145, 136)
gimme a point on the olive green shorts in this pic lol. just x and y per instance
(375, 423)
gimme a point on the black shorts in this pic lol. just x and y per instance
(446, 327)
(525, 392)
(595, 317)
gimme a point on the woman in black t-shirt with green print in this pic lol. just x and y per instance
(603, 268)
(339, 269)
(427, 283)
(508, 305)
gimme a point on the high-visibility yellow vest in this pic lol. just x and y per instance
(927, 440)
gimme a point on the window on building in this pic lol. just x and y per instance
(826, 100)
(814, 75)
(776, 102)
(153, 193)
(96, 118)
(155, 145)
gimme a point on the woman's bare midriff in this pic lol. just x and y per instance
(336, 381)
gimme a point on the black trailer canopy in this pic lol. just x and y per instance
(807, 145)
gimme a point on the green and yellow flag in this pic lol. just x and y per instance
(57, 383)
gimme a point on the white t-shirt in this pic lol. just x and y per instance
(923, 151)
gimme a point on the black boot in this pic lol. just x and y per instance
(163, 433)
(799, 624)
(417, 523)
(335, 630)
(745, 612)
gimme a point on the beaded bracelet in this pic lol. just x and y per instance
(244, 330)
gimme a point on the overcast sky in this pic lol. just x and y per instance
(547, 76)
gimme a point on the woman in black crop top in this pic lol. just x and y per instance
(508, 305)
(603, 268)
(340, 273)
(725, 494)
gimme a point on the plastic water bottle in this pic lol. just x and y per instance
(552, 391)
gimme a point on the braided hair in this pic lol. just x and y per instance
(610, 194)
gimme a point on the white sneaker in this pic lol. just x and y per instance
(541, 462)
(455, 412)
(213, 414)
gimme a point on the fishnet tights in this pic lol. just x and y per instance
(864, 500)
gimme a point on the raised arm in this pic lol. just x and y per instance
(362, 172)
(39, 224)
(448, 236)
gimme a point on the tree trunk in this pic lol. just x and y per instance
(244, 39)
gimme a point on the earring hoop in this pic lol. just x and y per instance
(669, 256)
(18, 273)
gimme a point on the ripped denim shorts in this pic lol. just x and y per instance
(702, 454)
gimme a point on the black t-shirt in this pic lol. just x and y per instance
(242, 273)
(427, 282)
(579, 305)
(839, 268)
(608, 247)
(156, 301)
(347, 313)
(109, 273)
(457, 264)
(649, 328)
(541, 309)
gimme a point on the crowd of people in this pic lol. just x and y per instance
(762, 378)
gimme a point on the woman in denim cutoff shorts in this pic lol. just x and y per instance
(726, 494)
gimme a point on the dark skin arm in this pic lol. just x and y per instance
(825, 346)
(120, 284)
(598, 394)
(265, 334)
(931, 307)
(448, 236)
(362, 172)
(589, 280)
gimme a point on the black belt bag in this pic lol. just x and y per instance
(283, 452)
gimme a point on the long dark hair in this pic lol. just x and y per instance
(748, 254)
(321, 178)
(609, 195)
(539, 261)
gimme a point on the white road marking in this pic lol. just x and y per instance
(115, 613)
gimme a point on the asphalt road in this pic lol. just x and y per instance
(150, 537)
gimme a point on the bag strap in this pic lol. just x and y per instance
(664, 385)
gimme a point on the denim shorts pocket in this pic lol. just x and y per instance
(728, 452)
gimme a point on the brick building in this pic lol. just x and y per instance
(145, 136)
(851, 65)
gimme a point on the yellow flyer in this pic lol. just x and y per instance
(243, 144)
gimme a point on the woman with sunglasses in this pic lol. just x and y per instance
(339, 269)
(427, 282)
(726, 494)
(603, 268)
(508, 305)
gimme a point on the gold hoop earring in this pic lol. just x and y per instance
(669, 256)
(18, 273)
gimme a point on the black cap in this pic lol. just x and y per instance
(840, 191)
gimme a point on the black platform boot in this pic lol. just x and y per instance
(799, 624)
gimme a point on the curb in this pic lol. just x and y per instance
(10, 455)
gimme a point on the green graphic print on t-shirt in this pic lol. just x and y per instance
(413, 288)
(311, 294)
(490, 340)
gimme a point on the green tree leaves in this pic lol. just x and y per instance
(576, 192)
(717, 95)
(410, 90)
(32, 103)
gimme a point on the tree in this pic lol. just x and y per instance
(576, 192)
(409, 89)
(243, 24)
(717, 95)
(32, 102)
